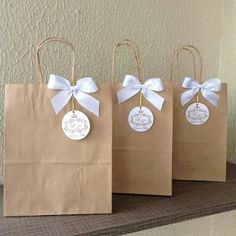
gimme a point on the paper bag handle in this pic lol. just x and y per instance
(135, 52)
(175, 60)
(195, 53)
(55, 39)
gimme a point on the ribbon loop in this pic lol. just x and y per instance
(132, 86)
(79, 91)
(207, 90)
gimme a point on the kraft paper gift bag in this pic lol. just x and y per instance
(200, 125)
(54, 164)
(142, 132)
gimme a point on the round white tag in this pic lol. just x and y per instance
(75, 125)
(197, 114)
(140, 119)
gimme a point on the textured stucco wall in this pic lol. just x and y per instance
(227, 69)
(216, 225)
(94, 26)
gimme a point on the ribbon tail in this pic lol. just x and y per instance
(126, 93)
(187, 96)
(211, 97)
(154, 98)
(60, 100)
(88, 102)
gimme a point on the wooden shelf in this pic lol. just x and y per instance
(133, 212)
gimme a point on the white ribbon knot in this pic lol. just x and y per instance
(132, 86)
(207, 90)
(79, 91)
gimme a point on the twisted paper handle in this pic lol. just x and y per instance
(55, 39)
(136, 55)
(39, 66)
(195, 53)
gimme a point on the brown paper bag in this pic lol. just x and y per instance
(142, 161)
(46, 173)
(199, 151)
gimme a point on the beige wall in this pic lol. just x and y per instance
(94, 26)
(227, 69)
(216, 225)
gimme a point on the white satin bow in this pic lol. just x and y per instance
(207, 90)
(132, 86)
(79, 91)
